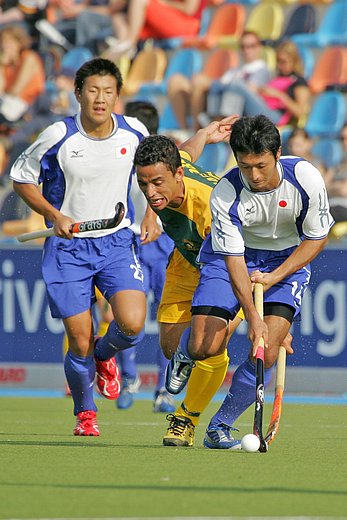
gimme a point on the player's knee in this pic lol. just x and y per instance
(168, 348)
(199, 350)
(270, 358)
(132, 329)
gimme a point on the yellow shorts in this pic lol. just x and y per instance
(180, 283)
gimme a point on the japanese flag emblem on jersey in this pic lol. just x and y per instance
(122, 151)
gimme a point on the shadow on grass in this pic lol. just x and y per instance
(83, 441)
(181, 489)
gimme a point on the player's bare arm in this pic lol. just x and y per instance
(242, 288)
(150, 230)
(301, 256)
(215, 132)
(32, 195)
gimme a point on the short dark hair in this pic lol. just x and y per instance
(145, 112)
(98, 67)
(158, 148)
(255, 135)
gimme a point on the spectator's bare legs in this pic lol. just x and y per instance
(199, 90)
(128, 28)
(179, 94)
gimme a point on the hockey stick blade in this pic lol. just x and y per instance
(80, 227)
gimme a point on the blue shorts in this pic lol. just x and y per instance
(154, 258)
(215, 290)
(72, 268)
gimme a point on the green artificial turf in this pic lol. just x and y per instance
(46, 472)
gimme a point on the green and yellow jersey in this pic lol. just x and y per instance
(189, 224)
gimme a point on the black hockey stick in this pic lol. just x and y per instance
(81, 227)
(259, 371)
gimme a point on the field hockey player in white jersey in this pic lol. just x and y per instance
(85, 167)
(270, 219)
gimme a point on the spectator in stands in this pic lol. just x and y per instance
(300, 144)
(337, 188)
(157, 19)
(189, 96)
(94, 22)
(22, 75)
(58, 102)
(285, 99)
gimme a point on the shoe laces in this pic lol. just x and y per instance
(177, 425)
(221, 432)
(87, 418)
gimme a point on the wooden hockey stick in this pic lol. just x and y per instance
(278, 399)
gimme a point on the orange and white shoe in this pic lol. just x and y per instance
(86, 425)
(108, 378)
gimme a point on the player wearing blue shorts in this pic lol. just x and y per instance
(270, 219)
(85, 166)
(154, 259)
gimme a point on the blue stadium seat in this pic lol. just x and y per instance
(302, 20)
(214, 158)
(183, 61)
(327, 115)
(309, 61)
(329, 151)
(167, 120)
(74, 58)
(332, 29)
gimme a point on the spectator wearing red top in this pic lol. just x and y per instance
(158, 19)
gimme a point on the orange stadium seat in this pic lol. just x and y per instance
(219, 61)
(330, 70)
(228, 20)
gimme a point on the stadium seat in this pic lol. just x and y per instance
(309, 61)
(267, 20)
(148, 66)
(301, 20)
(183, 61)
(214, 158)
(330, 70)
(327, 115)
(219, 61)
(74, 58)
(329, 151)
(332, 29)
(167, 120)
(225, 28)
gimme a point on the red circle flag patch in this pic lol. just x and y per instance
(282, 203)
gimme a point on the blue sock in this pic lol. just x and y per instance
(114, 341)
(80, 374)
(241, 394)
(127, 361)
(162, 364)
(183, 346)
